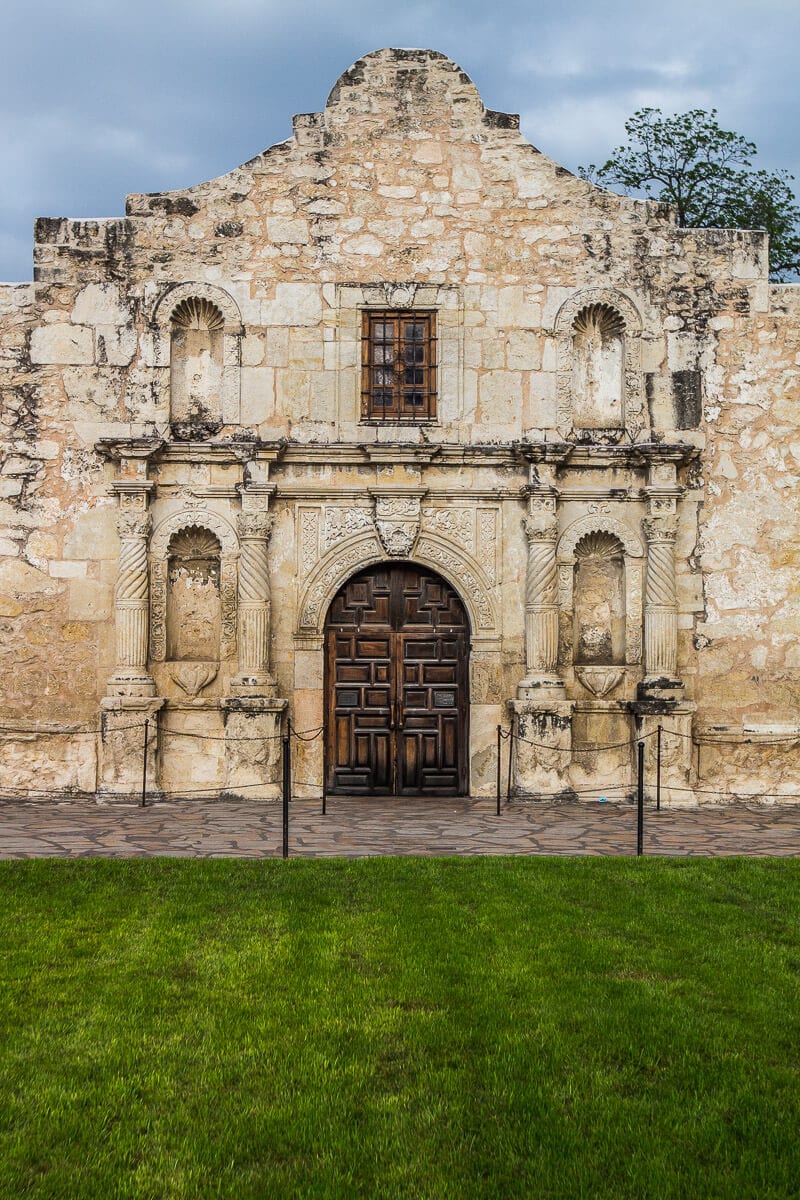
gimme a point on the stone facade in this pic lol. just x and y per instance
(190, 475)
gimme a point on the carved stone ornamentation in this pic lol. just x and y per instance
(466, 579)
(452, 523)
(397, 520)
(254, 677)
(362, 553)
(487, 542)
(308, 539)
(193, 677)
(620, 317)
(661, 607)
(131, 601)
(540, 526)
(600, 680)
(161, 541)
(342, 523)
(255, 525)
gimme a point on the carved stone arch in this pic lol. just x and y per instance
(176, 295)
(586, 298)
(598, 523)
(353, 555)
(466, 576)
(601, 523)
(162, 535)
(177, 522)
(612, 301)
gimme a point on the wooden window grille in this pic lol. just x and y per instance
(398, 373)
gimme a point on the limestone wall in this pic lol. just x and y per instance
(404, 193)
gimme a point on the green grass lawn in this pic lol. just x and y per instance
(497, 1027)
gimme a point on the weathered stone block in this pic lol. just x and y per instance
(62, 344)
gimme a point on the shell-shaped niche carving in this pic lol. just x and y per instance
(599, 633)
(196, 369)
(599, 545)
(196, 313)
(194, 542)
(598, 357)
(599, 321)
(194, 608)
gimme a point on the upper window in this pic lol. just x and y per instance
(398, 374)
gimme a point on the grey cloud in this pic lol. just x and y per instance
(98, 100)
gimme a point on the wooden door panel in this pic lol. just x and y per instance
(431, 714)
(396, 671)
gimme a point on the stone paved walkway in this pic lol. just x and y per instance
(352, 828)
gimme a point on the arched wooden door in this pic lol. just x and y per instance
(396, 686)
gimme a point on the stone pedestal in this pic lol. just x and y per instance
(677, 750)
(253, 746)
(542, 750)
(123, 747)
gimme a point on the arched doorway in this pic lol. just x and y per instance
(396, 685)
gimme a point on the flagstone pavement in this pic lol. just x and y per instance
(358, 827)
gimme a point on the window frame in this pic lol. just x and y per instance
(397, 413)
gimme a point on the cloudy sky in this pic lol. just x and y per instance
(100, 98)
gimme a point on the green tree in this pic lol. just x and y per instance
(706, 172)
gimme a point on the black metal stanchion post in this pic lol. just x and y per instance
(499, 756)
(510, 758)
(324, 795)
(640, 805)
(658, 771)
(144, 765)
(287, 764)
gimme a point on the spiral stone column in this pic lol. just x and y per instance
(254, 604)
(131, 677)
(541, 592)
(132, 591)
(543, 716)
(661, 608)
(253, 714)
(129, 713)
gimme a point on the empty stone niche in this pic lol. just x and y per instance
(194, 608)
(196, 367)
(598, 368)
(599, 601)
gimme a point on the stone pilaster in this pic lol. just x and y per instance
(254, 677)
(253, 746)
(542, 750)
(123, 747)
(661, 607)
(541, 599)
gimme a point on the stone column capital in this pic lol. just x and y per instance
(256, 523)
(134, 523)
(660, 529)
(540, 526)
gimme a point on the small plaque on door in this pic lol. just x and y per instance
(444, 699)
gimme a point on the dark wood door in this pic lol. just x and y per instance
(396, 685)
